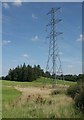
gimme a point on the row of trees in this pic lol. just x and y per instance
(29, 73)
(72, 78)
(24, 73)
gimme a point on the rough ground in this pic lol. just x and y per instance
(33, 92)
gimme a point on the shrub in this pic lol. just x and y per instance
(79, 99)
(72, 90)
(77, 93)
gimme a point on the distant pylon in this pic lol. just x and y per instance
(54, 66)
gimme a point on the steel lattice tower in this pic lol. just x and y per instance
(54, 66)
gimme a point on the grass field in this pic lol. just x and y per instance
(32, 100)
(39, 82)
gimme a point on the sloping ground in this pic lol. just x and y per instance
(37, 102)
(37, 83)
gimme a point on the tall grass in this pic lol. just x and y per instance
(60, 106)
(37, 106)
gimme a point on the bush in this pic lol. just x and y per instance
(79, 99)
(77, 93)
(72, 90)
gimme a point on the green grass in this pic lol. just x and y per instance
(9, 94)
(39, 82)
(24, 84)
(50, 106)
(49, 81)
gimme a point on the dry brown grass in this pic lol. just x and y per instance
(39, 95)
(38, 102)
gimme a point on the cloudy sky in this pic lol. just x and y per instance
(24, 35)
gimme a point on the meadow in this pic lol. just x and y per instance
(35, 100)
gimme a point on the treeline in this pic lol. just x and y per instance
(24, 73)
(27, 73)
(73, 78)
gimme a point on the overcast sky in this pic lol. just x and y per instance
(24, 35)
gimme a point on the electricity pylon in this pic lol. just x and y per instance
(54, 66)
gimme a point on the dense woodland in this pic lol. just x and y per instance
(27, 73)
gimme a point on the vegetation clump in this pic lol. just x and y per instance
(79, 98)
(72, 90)
(77, 93)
